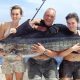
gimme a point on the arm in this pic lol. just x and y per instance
(2, 31)
(9, 31)
(66, 52)
(5, 30)
(40, 49)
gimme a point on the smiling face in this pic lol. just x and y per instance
(72, 20)
(15, 15)
(72, 24)
(49, 17)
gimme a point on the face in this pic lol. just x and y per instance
(49, 17)
(15, 15)
(72, 24)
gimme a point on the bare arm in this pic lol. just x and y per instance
(2, 31)
(66, 52)
(9, 31)
(6, 30)
(40, 49)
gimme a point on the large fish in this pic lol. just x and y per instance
(23, 45)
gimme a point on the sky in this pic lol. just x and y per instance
(62, 7)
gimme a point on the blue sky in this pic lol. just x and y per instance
(63, 7)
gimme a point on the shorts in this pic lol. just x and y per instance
(69, 69)
(37, 68)
(16, 66)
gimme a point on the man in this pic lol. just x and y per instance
(43, 64)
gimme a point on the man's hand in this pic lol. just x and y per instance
(38, 48)
(39, 28)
